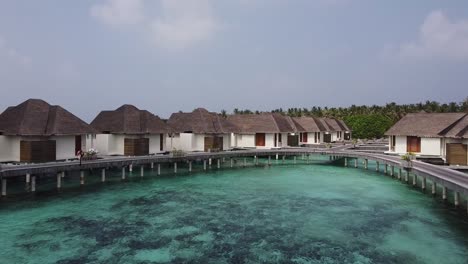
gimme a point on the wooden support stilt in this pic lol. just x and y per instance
(130, 168)
(377, 166)
(415, 180)
(392, 170)
(407, 177)
(269, 160)
(444, 193)
(232, 162)
(33, 183)
(175, 167)
(423, 183)
(82, 179)
(123, 173)
(356, 163)
(204, 164)
(219, 164)
(366, 164)
(456, 198)
(59, 180)
(295, 160)
(103, 175)
(190, 166)
(142, 171)
(159, 169)
(346, 162)
(434, 188)
(245, 162)
(399, 173)
(152, 165)
(4, 187)
(28, 178)
(385, 169)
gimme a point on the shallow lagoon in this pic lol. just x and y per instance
(283, 214)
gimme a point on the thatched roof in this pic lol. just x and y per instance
(201, 121)
(36, 117)
(128, 119)
(263, 123)
(430, 125)
(308, 124)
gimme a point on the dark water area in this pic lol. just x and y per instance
(282, 214)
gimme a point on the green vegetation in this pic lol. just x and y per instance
(369, 121)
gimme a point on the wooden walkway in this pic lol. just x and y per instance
(391, 165)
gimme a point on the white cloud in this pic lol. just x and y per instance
(439, 37)
(175, 24)
(11, 55)
(119, 12)
(183, 23)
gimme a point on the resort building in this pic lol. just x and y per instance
(200, 130)
(35, 131)
(431, 135)
(266, 130)
(129, 131)
(336, 130)
(310, 130)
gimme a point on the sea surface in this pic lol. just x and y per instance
(320, 213)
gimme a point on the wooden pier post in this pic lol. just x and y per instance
(269, 160)
(159, 168)
(209, 162)
(28, 178)
(423, 184)
(103, 175)
(59, 180)
(415, 180)
(190, 166)
(218, 163)
(4, 187)
(204, 164)
(175, 167)
(366, 164)
(399, 173)
(33, 183)
(276, 156)
(82, 180)
(245, 162)
(346, 162)
(130, 168)
(377, 166)
(123, 173)
(296, 158)
(407, 177)
(434, 190)
(385, 168)
(392, 170)
(456, 198)
(142, 171)
(356, 163)
(284, 158)
(256, 160)
(232, 162)
(444, 193)
(152, 165)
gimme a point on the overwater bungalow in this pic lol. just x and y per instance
(266, 130)
(310, 130)
(200, 130)
(35, 131)
(337, 130)
(129, 131)
(431, 136)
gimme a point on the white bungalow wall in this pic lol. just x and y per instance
(9, 148)
(65, 147)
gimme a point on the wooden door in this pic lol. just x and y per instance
(326, 138)
(161, 142)
(213, 144)
(260, 139)
(136, 146)
(413, 144)
(77, 143)
(293, 141)
(457, 154)
(304, 137)
(38, 151)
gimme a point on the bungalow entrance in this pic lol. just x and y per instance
(413, 144)
(37, 151)
(136, 146)
(327, 138)
(260, 139)
(347, 136)
(213, 144)
(293, 140)
(457, 154)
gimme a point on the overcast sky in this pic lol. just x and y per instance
(171, 55)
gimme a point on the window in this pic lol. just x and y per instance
(392, 143)
(304, 137)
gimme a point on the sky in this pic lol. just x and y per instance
(167, 56)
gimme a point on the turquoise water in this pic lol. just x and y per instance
(282, 214)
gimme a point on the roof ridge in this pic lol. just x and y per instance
(275, 122)
(444, 131)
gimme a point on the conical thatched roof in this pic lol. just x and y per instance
(36, 117)
(201, 121)
(128, 119)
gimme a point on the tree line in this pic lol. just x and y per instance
(367, 121)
